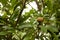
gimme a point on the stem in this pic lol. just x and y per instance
(9, 37)
(38, 28)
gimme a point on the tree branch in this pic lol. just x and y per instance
(39, 5)
(19, 16)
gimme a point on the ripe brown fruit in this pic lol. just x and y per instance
(40, 19)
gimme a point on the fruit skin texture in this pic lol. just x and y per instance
(40, 19)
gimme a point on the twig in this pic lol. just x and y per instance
(40, 5)
(37, 33)
(19, 16)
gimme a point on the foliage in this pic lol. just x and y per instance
(14, 25)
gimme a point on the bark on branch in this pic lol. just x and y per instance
(19, 16)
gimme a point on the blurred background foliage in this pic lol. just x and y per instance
(15, 24)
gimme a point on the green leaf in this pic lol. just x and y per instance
(52, 29)
(26, 25)
(3, 33)
(4, 2)
(43, 29)
(29, 35)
